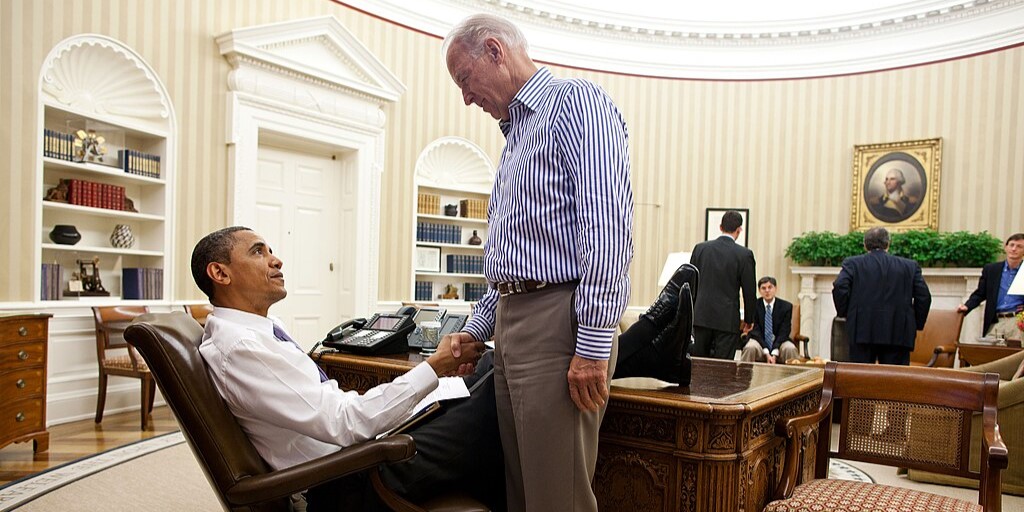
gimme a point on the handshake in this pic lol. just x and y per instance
(457, 354)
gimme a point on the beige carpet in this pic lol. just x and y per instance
(170, 479)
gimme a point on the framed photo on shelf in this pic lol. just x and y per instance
(427, 259)
(896, 185)
(713, 219)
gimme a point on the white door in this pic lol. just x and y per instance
(298, 198)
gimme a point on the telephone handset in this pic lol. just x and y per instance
(383, 333)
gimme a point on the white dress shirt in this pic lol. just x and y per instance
(273, 388)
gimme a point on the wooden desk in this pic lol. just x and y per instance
(978, 353)
(708, 447)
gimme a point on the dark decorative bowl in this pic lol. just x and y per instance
(65, 235)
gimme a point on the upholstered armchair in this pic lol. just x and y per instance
(1011, 425)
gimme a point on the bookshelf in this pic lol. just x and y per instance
(119, 178)
(453, 180)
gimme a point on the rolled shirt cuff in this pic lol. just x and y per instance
(775, 352)
(594, 342)
(478, 330)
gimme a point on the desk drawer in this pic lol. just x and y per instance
(22, 331)
(21, 384)
(18, 355)
(21, 417)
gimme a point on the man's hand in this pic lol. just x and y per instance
(771, 359)
(459, 354)
(588, 383)
(962, 308)
(745, 327)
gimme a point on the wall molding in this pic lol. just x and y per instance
(908, 34)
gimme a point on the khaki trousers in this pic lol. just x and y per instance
(550, 446)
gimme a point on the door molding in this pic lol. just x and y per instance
(311, 81)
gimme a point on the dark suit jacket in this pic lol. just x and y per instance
(782, 323)
(725, 267)
(884, 299)
(988, 291)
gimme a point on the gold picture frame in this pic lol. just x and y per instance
(896, 185)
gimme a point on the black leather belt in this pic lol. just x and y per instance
(518, 287)
(1005, 314)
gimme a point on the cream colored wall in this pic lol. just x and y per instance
(781, 148)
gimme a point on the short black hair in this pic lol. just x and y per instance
(731, 220)
(215, 247)
(767, 279)
(876, 238)
(1013, 237)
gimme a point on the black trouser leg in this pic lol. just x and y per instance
(637, 355)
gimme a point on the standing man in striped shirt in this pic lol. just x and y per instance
(557, 259)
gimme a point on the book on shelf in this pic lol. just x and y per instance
(142, 283)
(52, 281)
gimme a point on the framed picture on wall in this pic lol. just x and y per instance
(713, 221)
(896, 185)
(428, 259)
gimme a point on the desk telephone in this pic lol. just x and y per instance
(389, 333)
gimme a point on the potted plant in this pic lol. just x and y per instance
(929, 248)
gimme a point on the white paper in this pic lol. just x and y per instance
(448, 388)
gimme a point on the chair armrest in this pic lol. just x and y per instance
(994, 447)
(800, 338)
(942, 357)
(790, 429)
(288, 481)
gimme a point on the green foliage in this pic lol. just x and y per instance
(928, 247)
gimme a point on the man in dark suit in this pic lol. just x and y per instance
(725, 267)
(992, 287)
(768, 341)
(885, 301)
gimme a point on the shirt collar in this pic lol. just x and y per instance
(533, 91)
(1006, 267)
(766, 303)
(252, 321)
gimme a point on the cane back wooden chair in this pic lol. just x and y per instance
(918, 418)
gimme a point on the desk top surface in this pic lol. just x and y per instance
(714, 381)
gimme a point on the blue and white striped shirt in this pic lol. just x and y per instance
(561, 208)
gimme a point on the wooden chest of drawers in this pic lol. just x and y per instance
(23, 380)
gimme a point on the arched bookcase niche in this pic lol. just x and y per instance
(96, 85)
(451, 174)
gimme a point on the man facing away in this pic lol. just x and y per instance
(1000, 306)
(725, 268)
(768, 341)
(560, 221)
(885, 301)
(292, 413)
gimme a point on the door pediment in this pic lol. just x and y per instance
(317, 50)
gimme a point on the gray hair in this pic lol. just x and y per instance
(899, 175)
(472, 31)
(876, 238)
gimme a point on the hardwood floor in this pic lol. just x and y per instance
(72, 441)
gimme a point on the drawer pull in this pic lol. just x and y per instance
(20, 383)
(20, 417)
(22, 355)
(22, 331)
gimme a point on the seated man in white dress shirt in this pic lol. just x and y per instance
(292, 413)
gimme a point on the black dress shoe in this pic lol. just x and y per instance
(663, 310)
(673, 342)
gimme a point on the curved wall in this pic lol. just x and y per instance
(781, 148)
